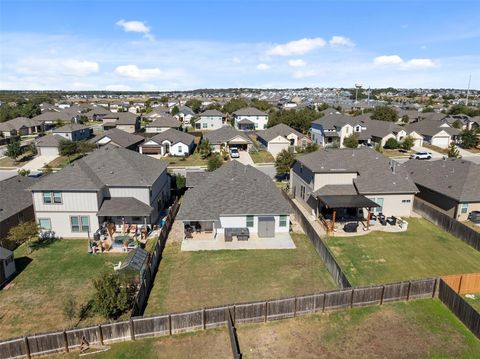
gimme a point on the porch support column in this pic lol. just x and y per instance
(368, 218)
(333, 218)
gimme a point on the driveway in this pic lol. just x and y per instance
(38, 162)
(245, 158)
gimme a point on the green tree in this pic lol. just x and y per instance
(14, 149)
(453, 151)
(262, 105)
(175, 110)
(469, 139)
(214, 162)
(23, 172)
(457, 124)
(351, 141)
(463, 110)
(234, 104)
(113, 297)
(391, 144)
(180, 181)
(405, 119)
(164, 99)
(300, 120)
(427, 109)
(194, 104)
(408, 143)
(204, 149)
(283, 162)
(67, 148)
(84, 147)
(25, 232)
(384, 113)
(311, 147)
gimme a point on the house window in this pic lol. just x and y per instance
(204, 125)
(45, 224)
(283, 221)
(80, 224)
(464, 208)
(379, 201)
(302, 192)
(179, 149)
(249, 221)
(52, 197)
(405, 201)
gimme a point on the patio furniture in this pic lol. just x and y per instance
(382, 219)
(242, 234)
(350, 227)
(392, 220)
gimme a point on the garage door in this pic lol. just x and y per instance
(266, 227)
(418, 142)
(48, 151)
(276, 148)
(151, 150)
(441, 141)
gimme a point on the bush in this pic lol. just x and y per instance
(408, 143)
(67, 147)
(385, 113)
(391, 144)
(113, 296)
(469, 139)
(214, 162)
(351, 141)
(283, 162)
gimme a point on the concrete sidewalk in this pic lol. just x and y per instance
(245, 158)
(38, 162)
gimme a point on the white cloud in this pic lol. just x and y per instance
(302, 74)
(263, 67)
(388, 60)
(395, 60)
(135, 26)
(296, 63)
(337, 41)
(297, 47)
(134, 72)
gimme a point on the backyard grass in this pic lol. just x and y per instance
(262, 156)
(417, 329)
(19, 162)
(424, 250)
(193, 160)
(443, 151)
(396, 153)
(46, 278)
(472, 225)
(474, 302)
(188, 280)
(63, 161)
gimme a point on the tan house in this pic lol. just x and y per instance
(451, 186)
(281, 137)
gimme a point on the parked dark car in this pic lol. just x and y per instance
(474, 216)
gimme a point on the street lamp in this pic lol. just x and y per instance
(357, 86)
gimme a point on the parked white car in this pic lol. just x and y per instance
(234, 153)
(421, 156)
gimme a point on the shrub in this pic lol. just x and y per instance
(283, 162)
(408, 143)
(214, 162)
(391, 144)
(351, 141)
(113, 296)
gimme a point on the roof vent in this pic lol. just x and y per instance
(111, 172)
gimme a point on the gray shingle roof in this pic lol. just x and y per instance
(121, 138)
(430, 128)
(165, 121)
(122, 118)
(124, 206)
(278, 130)
(193, 178)
(55, 116)
(233, 189)
(454, 178)
(336, 189)
(71, 127)
(211, 113)
(14, 195)
(336, 120)
(19, 122)
(375, 173)
(225, 134)
(49, 140)
(107, 166)
(174, 136)
(249, 111)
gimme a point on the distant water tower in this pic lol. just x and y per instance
(357, 86)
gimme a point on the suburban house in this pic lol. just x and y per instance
(461, 122)
(20, 126)
(125, 121)
(228, 137)
(380, 132)
(156, 112)
(234, 200)
(351, 184)
(451, 186)
(16, 204)
(7, 265)
(437, 133)
(73, 132)
(52, 118)
(163, 123)
(185, 115)
(48, 144)
(209, 120)
(110, 185)
(281, 137)
(97, 113)
(169, 143)
(118, 138)
(249, 119)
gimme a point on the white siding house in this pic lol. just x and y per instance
(249, 119)
(209, 120)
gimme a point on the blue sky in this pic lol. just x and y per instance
(157, 45)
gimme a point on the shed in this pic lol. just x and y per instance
(134, 263)
(7, 265)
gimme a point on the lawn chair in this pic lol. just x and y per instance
(392, 220)
(117, 266)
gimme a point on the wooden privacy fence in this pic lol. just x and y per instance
(464, 283)
(321, 248)
(449, 224)
(200, 319)
(459, 306)
(151, 268)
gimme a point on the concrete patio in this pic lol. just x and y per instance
(280, 241)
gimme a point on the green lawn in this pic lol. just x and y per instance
(192, 160)
(396, 153)
(262, 156)
(424, 250)
(63, 161)
(417, 329)
(443, 151)
(47, 276)
(20, 161)
(188, 280)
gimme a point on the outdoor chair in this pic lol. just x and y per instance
(350, 227)
(392, 220)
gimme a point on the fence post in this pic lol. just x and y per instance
(100, 334)
(169, 324)
(65, 341)
(351, 299)
(27, 347)
(460, 284)
(383, 293)
(434, 287)
(132, 330)
(266, 312)
(203, 318)
(314, 303)
(408, 291)
(295, 307)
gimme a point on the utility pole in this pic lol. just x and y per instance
(468, 89)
